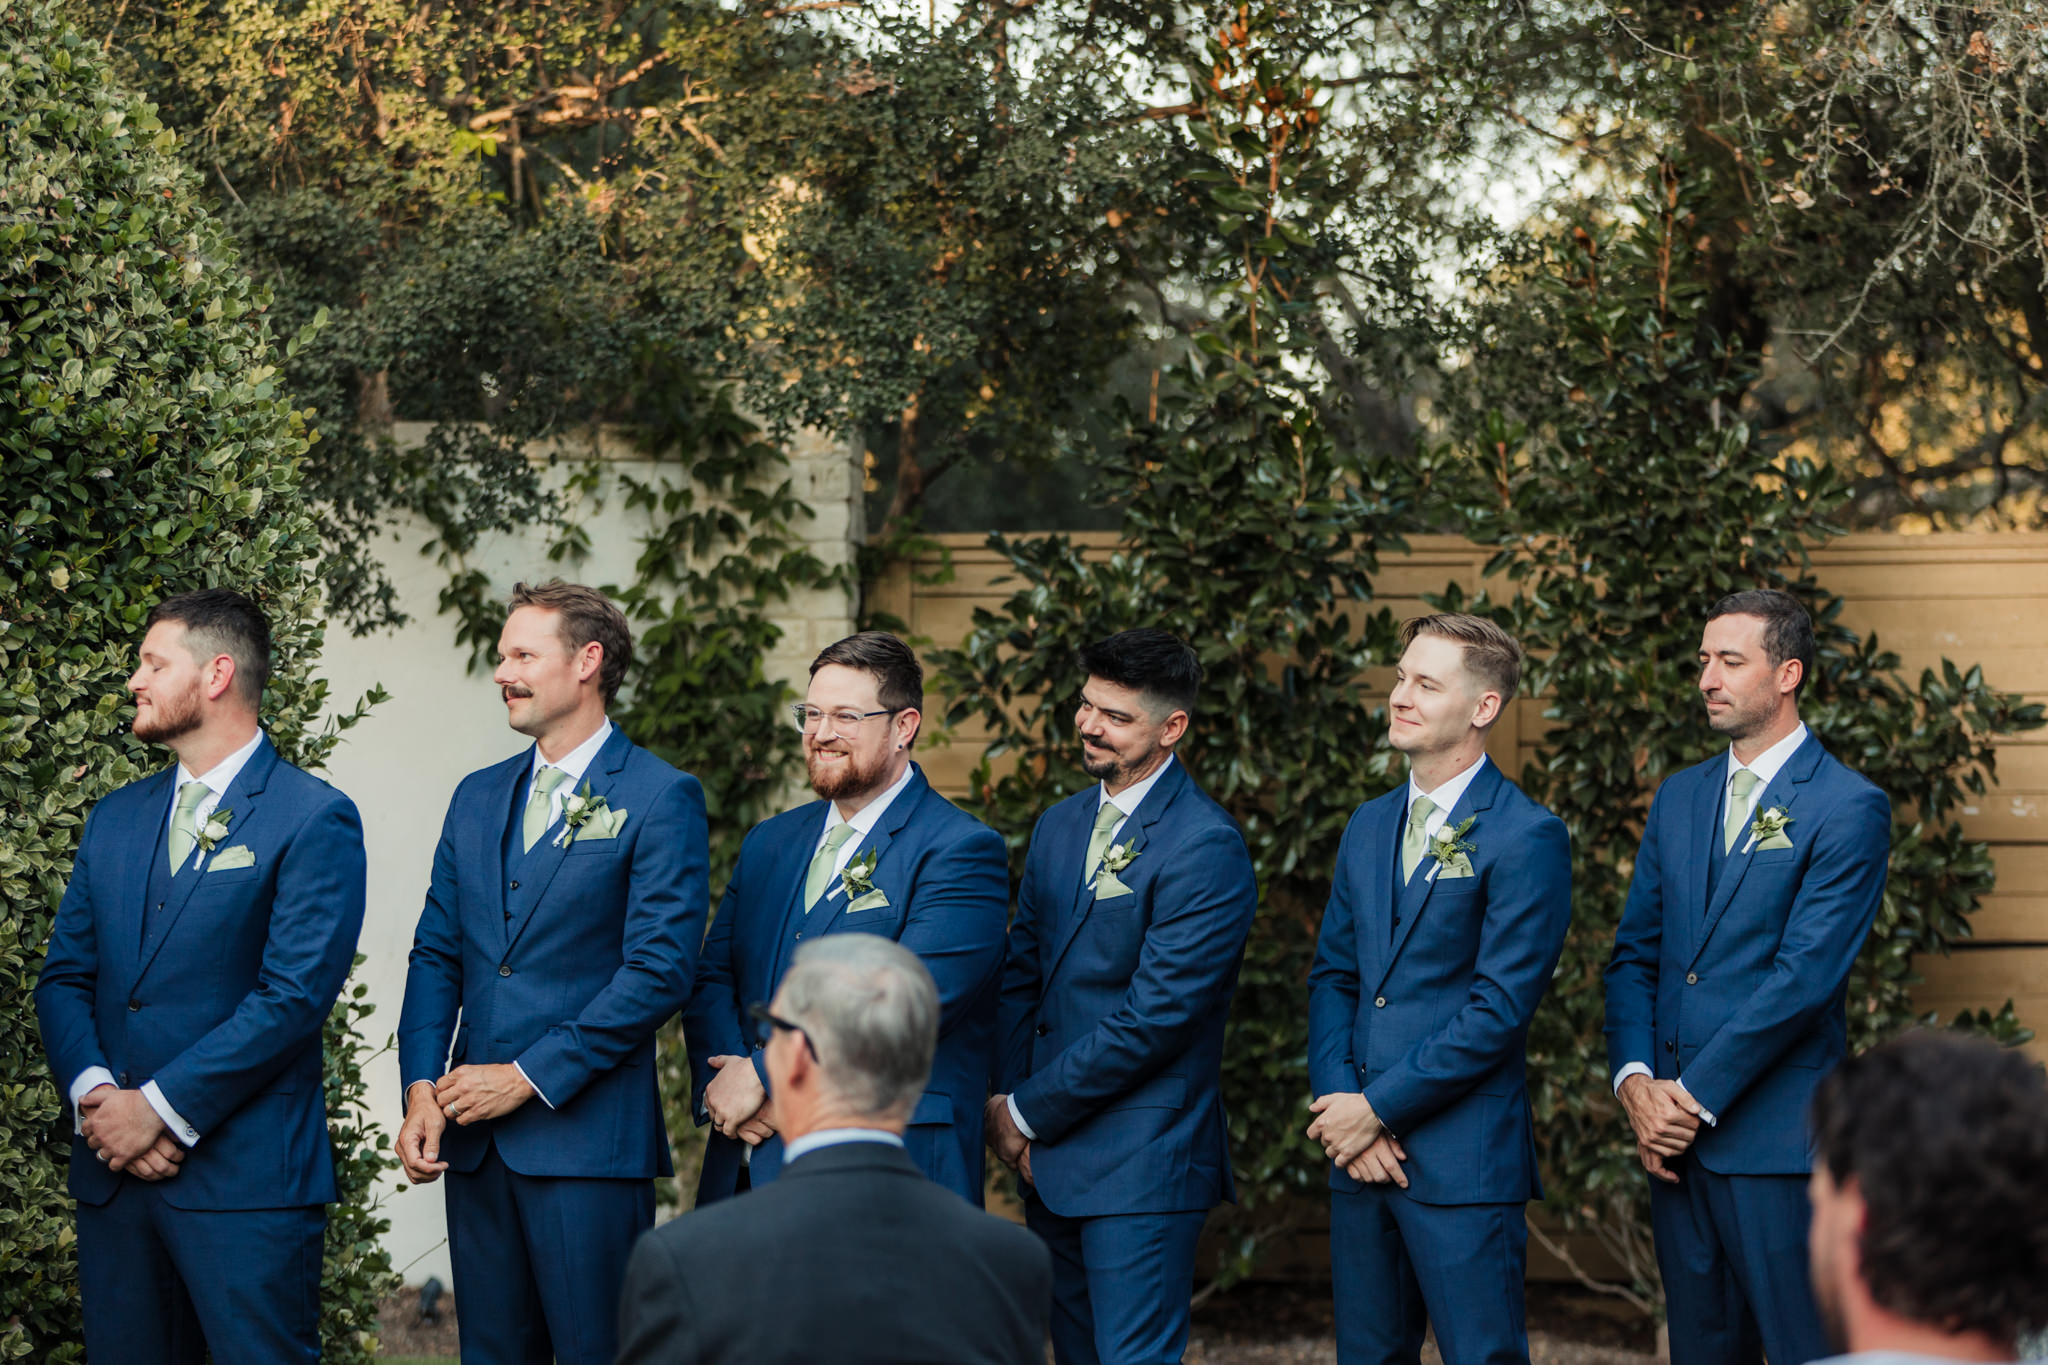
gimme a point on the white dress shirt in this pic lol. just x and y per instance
(834, 1137)
(864, 821)
(1445, 797)
(216, 780)
(1766, 766)
(1127, 801)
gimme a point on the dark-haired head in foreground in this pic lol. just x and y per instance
(1136, 704)
(1930, 1198)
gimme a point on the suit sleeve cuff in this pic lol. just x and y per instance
(1705, 1116)
(1629, 1069)
(184, 1132)
(536, 1089)
(89, 1080)
(1017, 1117)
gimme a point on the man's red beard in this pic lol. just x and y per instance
(166, 719)
(845, 778)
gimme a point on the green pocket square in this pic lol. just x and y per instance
(1451, 871)
(1108, 887)
(873, 900)
(1779, 840)
(606, 824)
(228, 859)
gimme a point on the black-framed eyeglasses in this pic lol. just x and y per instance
(766, 1022)
(843, 722)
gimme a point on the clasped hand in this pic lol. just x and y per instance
(737, 1101)
(1005, 1138)
(124, 1129)
(466, 1095)
(1353, 1137)
(1665, 1118)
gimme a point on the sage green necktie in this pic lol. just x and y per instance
(1415, 842)
(1098, 839)
(185, 824)
(824, 863)
(1739, 788)
(539, 806)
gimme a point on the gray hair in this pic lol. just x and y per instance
(871, 1010)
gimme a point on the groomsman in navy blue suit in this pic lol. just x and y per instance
(1131, 920)
(559, 933)
(1447, 913)
(879, 853)
(1759, 875)
(209, 924)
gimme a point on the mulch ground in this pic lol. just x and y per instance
(1252, 1324)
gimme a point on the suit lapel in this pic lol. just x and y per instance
(241, 800)
(1377, 880)
(877, 840)
(1136, 831)
(1782, 791)
(546, 858)
(504, 798)
(134, 852)
(1413, 898)
(1701, 849)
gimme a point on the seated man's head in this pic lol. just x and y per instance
(853, 1030)
(1930, 1198)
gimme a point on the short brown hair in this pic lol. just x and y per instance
(588, 617)
(222, 621)
(1491, 654)
(899, 677)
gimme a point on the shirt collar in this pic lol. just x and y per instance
(1446, 797)
(868, 816)
(833, 1137)
(1767, 764)
(578, 760)
(1130, 798)
(223, 774)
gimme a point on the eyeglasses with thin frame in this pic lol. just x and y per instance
(843, 722)
(765, 1024)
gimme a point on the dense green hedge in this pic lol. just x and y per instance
(144, 449)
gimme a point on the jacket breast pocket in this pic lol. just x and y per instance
(595, 848)
(233, 876)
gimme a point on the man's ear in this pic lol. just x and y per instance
(1790, 674)
(908, 722)
(1171, 730)
(220, 677)
(590, 662)
(1488, 710)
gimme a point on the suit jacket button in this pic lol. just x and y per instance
(124, 1080)
(1044, 1029)
(134, 1005)
(1669, 1046)
(504, 971)
(513, 887)
(1379, 1002)
(1692, 978)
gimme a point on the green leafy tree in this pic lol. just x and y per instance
(1253, 534)
(146, 446)
(1605, 447)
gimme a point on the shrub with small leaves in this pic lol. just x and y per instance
(145, 448)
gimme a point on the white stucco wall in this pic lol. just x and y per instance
(441, 722)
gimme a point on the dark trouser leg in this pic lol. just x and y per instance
(136, 1309)
(1073, 1317)
(497, 1303)
(1708, 1320)
(1141, 1282)
(1762, 1221)
(1471, 1261)
(254, 1279)
(579, 1234)
(1380, 1315)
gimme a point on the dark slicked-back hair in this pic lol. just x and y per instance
(899, 677)
(222, 621)
(1788, 630)
(588, 616)
(1946, 1137)
(1155, 662)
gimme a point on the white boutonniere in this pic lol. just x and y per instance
(214, 830)
(577, 811)
(1115, 858)
(857, 880)
(1767, 830)
(1453, 851)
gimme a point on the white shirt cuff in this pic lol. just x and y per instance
(529, 1080)
(89, 1080)
(1705, 1117)
(1629, 1069)
(1017, 1117)
(184, 1132)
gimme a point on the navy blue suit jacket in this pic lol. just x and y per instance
(1741, 993)
(574, 986)
(947, 879)
(1113, 1010)
(1428, 1014)
(222, 1004)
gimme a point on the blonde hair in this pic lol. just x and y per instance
(1491, 654)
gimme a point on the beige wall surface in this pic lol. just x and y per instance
(444, 722)
(1972, 598)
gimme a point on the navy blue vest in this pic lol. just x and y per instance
(158, 888)
(519, 887)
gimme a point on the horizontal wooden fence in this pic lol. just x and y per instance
(1972, 598)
